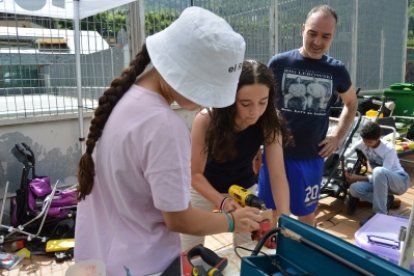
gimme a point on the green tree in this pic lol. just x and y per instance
(106, 23)
(109, 23)
(159, 20)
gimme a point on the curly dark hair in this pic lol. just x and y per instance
(221, 132)
(119, 85)
(371, 131)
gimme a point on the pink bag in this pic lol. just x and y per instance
(40, 188)
(62, 202)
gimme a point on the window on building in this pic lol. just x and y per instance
(51, 45)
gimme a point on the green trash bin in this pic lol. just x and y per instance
(403, 96)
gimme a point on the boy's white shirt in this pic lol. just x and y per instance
(383, 155)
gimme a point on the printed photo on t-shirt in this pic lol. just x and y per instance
(305, 93)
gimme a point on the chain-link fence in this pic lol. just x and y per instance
(37, 61)
(38, 68)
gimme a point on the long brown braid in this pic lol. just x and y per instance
(119, 85)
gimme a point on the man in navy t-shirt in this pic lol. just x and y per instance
(307, 117)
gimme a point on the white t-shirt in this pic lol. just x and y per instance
(384, 155)
(142, 165)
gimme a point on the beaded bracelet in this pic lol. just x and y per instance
(222, 203)
(230, 222)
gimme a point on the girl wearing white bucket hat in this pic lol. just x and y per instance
(134, 179)
(225, 141)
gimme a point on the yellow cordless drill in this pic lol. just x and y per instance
(246, 198)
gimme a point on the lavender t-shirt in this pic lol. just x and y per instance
(142, 164)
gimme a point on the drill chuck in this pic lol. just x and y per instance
(245, 198)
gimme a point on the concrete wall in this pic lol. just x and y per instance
(55, 143)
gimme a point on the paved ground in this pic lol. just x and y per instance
(330, 217)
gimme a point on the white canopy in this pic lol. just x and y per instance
(59, 8)
(65, 9)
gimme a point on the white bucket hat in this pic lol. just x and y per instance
(200, 56)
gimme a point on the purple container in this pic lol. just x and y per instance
(379, 235)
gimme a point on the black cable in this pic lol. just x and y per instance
(249, 263)
(262, 241)
(247, 249)
(273, 261)
(296, 237)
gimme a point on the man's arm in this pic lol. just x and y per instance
(332, 141)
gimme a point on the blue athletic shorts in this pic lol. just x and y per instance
(304, 177)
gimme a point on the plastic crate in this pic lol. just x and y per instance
(379, 235)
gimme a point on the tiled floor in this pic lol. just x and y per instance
(330, 218)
